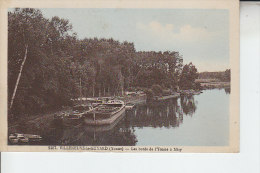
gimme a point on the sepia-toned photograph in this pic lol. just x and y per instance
(119, 77)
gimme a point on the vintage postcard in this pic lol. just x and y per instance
(120, 76)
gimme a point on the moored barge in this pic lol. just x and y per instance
(75, 117)
(106, 113)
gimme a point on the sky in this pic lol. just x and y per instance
(199, 35)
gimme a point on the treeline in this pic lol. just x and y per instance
(224, 76)
(54, 64)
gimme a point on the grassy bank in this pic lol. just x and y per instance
(212, 83)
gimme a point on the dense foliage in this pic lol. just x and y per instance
(58, 64)
(188, 76)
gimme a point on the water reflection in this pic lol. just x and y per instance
(119, 133)
(227, 90)
(188, 105)
(168, 114)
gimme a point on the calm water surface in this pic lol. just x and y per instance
(204, 120)
(192, 121)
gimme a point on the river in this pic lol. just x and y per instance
(199, 120)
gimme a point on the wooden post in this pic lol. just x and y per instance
(19, 76)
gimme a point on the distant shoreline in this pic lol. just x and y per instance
(212, 83)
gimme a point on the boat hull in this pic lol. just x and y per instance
(105, 127)
(106, 121)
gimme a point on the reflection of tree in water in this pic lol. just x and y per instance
(188, 105)
(227, 90)
(166, 114)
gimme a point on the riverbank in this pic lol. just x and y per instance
(138, 99)
(27, 124)
(40, 123)
(162, 98)
(33, 123)
(190, 92)
(212, 83)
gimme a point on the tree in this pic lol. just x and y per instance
(188, 76)
(24, 27)
(227, 75)
(40, 62)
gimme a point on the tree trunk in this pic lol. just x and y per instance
(93, 89)
(19, 76)
(104, 90)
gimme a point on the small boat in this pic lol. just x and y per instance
(106, 113)
(22, 138)
(129, 106)
(13, 139)
(32, 137)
